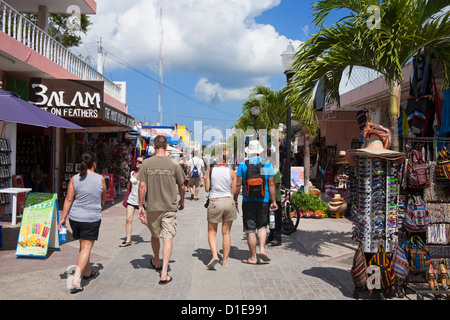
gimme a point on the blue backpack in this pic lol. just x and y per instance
(194, 173)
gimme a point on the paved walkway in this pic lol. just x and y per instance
(312, 264)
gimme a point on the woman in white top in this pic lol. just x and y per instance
(221, 183)
(132, 202)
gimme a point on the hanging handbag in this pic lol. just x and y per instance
(359, 268)
(419, 257)
(417, 218)
(417, 171)
(387, 274)
(442, 169)
(127, 194)
(400, 262)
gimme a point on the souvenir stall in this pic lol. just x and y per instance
(113, 151)
(425, 197)
(374, 179)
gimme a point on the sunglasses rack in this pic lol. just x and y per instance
(375, 196)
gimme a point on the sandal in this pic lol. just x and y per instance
(274, 243)
(125, 244)
(75, 289)
(91, 275)
(169, 278)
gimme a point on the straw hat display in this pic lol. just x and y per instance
(337, 204)
(340, 159)
(378, 143)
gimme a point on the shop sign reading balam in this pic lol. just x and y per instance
(68, 98)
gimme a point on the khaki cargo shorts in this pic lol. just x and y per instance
(162, 224)
(221, 209)
(194, 182)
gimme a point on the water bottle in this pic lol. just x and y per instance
(272, 219)
(63, 234)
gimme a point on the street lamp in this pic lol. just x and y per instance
(287, 58)
(255, 113)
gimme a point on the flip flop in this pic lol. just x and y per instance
(75, 289)
(212, 263)
(92, 275)
(153, 265)
(169, 278)
(125, 244)
(248, 262)
(263, 257)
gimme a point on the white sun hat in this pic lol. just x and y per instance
(254, 147)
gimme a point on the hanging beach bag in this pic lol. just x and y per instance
(417, 217)
(442, 169)
(387, 274)
(400, 262)
(359, 268)
(419, 257)
(417, 171)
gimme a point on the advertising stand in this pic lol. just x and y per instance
(39, 227)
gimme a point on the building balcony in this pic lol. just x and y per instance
(20, 40)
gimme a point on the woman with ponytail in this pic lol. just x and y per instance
(86, 195)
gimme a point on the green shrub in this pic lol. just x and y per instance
(308, 201)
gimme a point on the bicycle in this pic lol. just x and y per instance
(290, 214)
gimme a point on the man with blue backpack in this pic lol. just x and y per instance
(256, 177)
(196, 170)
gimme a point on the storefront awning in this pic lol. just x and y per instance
(176, 141)
(14, 109)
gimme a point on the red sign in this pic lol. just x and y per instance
(109, 179)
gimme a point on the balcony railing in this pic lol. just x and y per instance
(23, 30)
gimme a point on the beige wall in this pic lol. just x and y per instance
(340, 130)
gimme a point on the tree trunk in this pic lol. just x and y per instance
(394, 105)
(306, 162)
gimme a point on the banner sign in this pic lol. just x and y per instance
(109, 180)
(118, 117)
(297, 177)
(39, 226)
(68, 98)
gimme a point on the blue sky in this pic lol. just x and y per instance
(214, 52)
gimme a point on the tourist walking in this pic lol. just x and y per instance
(132, 202)
(257, 180)
(221, 183)
(158, 178)
(196, 170)
(86, 195)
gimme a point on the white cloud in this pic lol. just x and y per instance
(215, 39)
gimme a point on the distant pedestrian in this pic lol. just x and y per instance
(221, 183)
(257, 181)
(86, 195)
(196, 170)
(158, 177)
(37, 177)
(132, 202)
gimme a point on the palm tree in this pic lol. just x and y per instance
(273, 106)
(272, 110)
(407, 28)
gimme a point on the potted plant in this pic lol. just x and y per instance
(309, 204)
